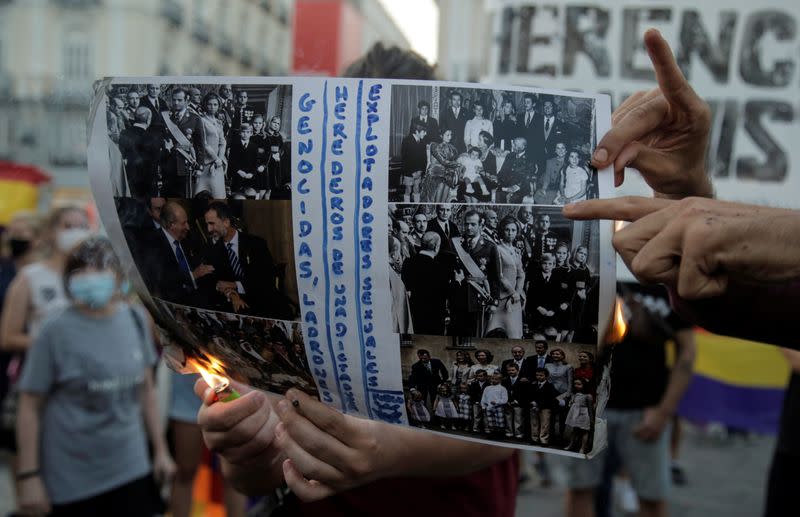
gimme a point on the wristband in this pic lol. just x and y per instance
(29, 474)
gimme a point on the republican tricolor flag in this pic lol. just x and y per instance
(738, 383)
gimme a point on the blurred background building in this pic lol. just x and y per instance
(51, 51)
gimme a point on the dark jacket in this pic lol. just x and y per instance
(427, 381)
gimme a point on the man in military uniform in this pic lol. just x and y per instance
(476, 277)
(543, 241)
(186, 139)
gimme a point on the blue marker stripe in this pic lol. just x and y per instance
(388, 392)
(326, 269)
(357, 230)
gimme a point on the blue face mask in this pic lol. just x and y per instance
(94, 290)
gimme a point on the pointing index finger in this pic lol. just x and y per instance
(668, 74)
(629, 208)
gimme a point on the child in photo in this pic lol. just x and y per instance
(464, 406)
(493, 402)
(517, 391)
(417, 411)
(472, 179)
(444, 408)
(579, 416)
(544, 399)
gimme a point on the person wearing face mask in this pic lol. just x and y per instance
(17, 252)
(87, 400)
(37, 290)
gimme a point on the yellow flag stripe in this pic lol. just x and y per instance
(740, 362)
(16, 195)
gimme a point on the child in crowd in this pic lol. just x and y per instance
(543, 396)
(417, 411)
(464, 407)
(493, 402)
(444, 408)
(579, 416)
(473, 181)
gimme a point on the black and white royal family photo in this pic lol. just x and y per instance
(534, 393)
(212, 140)
(472, 145)
(231, 256)
(501, 271)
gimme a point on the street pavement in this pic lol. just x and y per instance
(726, 479)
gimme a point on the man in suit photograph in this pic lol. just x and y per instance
(549, 183)
(526, 121)
(242, 114)
(155, 103)
(170, 270)
(245, 271)
(426, 375)
(517, 175)
(517, 358)
(141, 154)
(547, 132)
(133, 103)
(426, 279)
(446, 230)
(455, 119)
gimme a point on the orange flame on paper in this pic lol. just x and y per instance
(619, 327)
(216, 381)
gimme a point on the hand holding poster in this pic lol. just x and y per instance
(394, 248)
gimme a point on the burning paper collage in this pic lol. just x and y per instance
(395, 248)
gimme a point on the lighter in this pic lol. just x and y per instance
(223, 391)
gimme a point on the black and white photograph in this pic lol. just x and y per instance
(470, 145)
(263, 353)
(501, 271)
(537, 392)
(229, 256)
(217, 141)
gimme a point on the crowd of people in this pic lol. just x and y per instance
(81, 380)
(539, 399)
(207, 260)
(482, 275)
(176, 141)
(494, 147)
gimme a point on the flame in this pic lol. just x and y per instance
(618, 225)
(216, 381)
(619, 327)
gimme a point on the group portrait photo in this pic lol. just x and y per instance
(494, 271)
(219, 141)
(228, 256)
(534, 392)
(471, 145)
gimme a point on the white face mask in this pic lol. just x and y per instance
(67, 239)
